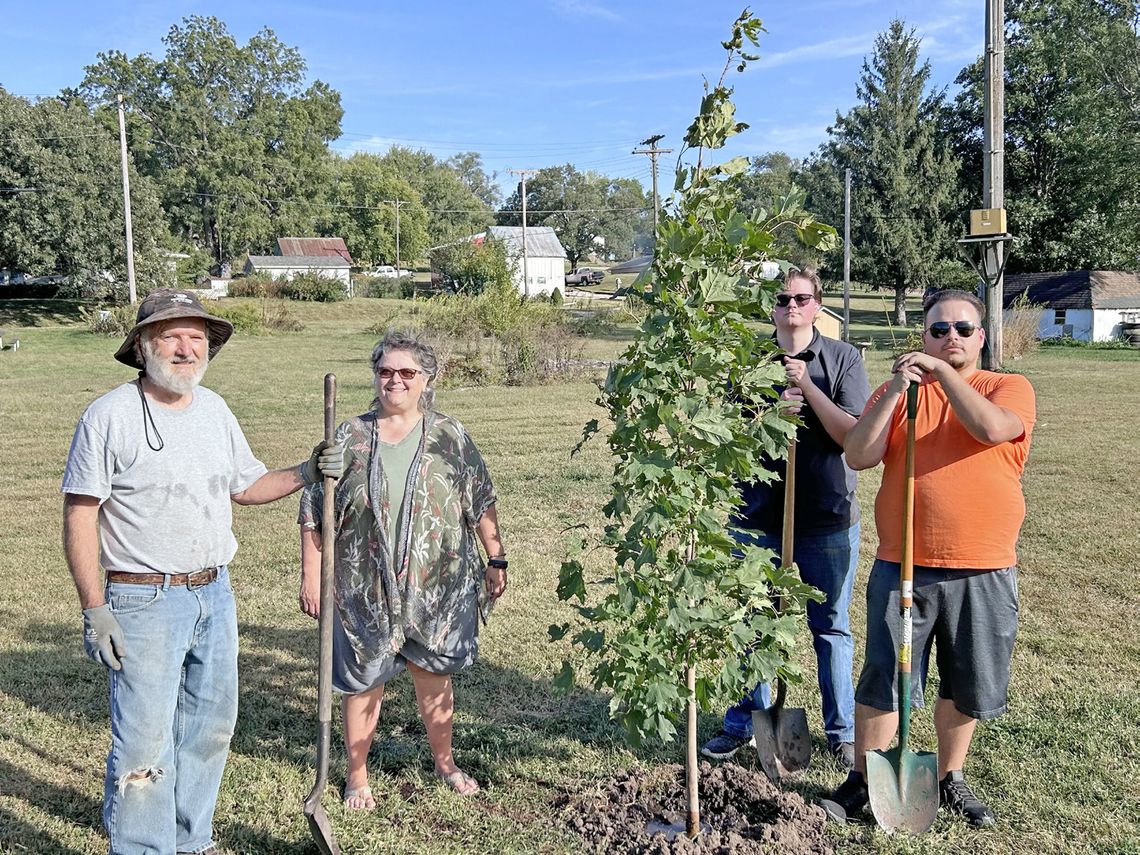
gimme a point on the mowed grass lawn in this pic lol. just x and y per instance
(1062, 769)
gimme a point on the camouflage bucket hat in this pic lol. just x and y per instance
(166, 305)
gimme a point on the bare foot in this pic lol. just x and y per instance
(359, 798)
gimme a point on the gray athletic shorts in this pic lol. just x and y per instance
(971, 614)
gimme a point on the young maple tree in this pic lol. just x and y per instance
(691, 620)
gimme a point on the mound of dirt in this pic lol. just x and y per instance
(742, 812)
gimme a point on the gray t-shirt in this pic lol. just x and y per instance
(164, 511)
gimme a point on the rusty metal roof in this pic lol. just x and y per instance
(313, 246)
(1075, 289)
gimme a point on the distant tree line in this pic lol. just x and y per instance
(229, 149)
(1072, 144)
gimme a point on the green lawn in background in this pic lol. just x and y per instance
(1062, 769)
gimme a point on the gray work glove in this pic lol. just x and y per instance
(326, 461)
(103, 637)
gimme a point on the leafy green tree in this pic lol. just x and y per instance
(904, 198)
(455, 211)
(233, 137)
(1072, 129)
(469, 166)
(473, 267)
(589, 212)
(688, 623)
(70, 219)
(362, 210)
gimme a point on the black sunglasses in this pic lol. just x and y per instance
(941, 329)
(785, 300)
(405, 373)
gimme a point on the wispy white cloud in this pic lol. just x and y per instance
(587, 9)
(857, 45)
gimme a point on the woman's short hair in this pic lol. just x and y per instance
(421, 352)
(811, 275)
(933, 297)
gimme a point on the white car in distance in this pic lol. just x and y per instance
(387, 271)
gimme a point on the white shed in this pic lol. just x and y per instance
(288, 266)
(545, 262)
(1087, 305)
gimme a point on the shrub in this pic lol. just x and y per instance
(400, 288)
(556, 297)
(116, 321)
(1020, 324)
(256, 285)
(912, 342)
(314, 288)
(244, 315)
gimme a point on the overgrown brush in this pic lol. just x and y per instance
(116, 321)
(259, 285)
(313, 288)
(400, 288)
(1020, 325)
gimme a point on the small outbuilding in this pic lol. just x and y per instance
(288, 266)
(331, 247)
(1087, 305)
(546, 257)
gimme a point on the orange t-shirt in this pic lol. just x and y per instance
(968, 504)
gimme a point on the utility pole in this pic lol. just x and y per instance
(133, 293)
(397, 203)
(847, 256)
(523, 173)
(653, 151)
(993, 171)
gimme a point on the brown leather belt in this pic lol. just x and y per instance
(194, 580)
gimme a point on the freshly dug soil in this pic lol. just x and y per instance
(742, 812)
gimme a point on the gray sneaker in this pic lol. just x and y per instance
(844, 754)
(957, 797)
(723, 746)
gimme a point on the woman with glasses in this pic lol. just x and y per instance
(412, 506)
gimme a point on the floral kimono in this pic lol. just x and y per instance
(421, 586)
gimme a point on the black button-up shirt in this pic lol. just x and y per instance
(825, 484)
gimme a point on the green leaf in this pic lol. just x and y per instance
(564, 680)
(571, 582)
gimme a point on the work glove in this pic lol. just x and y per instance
(326, 461)
(103, 637)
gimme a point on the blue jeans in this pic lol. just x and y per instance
(827, 562)
(173, 710)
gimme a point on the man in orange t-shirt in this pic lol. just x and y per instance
(972, 439)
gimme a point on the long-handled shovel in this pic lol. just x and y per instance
(783, 743)
(319, 825)
(903, 784)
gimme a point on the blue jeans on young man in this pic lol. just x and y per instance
(827, 562)
(173, 710)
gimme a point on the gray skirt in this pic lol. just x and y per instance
(459, 651)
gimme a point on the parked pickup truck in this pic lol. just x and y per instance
(585, 276)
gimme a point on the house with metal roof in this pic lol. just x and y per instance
(332, 247)
(545, 257)
(288, 266)
(1088, 305)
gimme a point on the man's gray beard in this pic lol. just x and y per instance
(162, 374)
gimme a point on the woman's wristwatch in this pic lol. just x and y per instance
(497, 563)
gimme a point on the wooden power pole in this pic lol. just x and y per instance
(522, 174)
(847, 255)
(132, 291)
(653, 151)
(993, 171)
(397, 203)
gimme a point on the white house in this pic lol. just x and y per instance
(1088, 305)
(288, 266)
(546, 258)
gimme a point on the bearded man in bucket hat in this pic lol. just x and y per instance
(153, 467)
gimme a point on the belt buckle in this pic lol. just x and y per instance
(190, 585)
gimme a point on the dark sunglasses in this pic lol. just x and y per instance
(785, 300)
(941, 329)
(405, 373)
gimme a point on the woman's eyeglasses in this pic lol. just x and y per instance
(785, 300)
(941, 329)
(405, 373)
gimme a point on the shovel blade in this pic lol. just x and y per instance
(783, 743)
(903, 789)
(321, 829)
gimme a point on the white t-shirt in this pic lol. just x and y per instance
(164, 511)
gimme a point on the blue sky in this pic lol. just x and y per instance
(526, 84)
